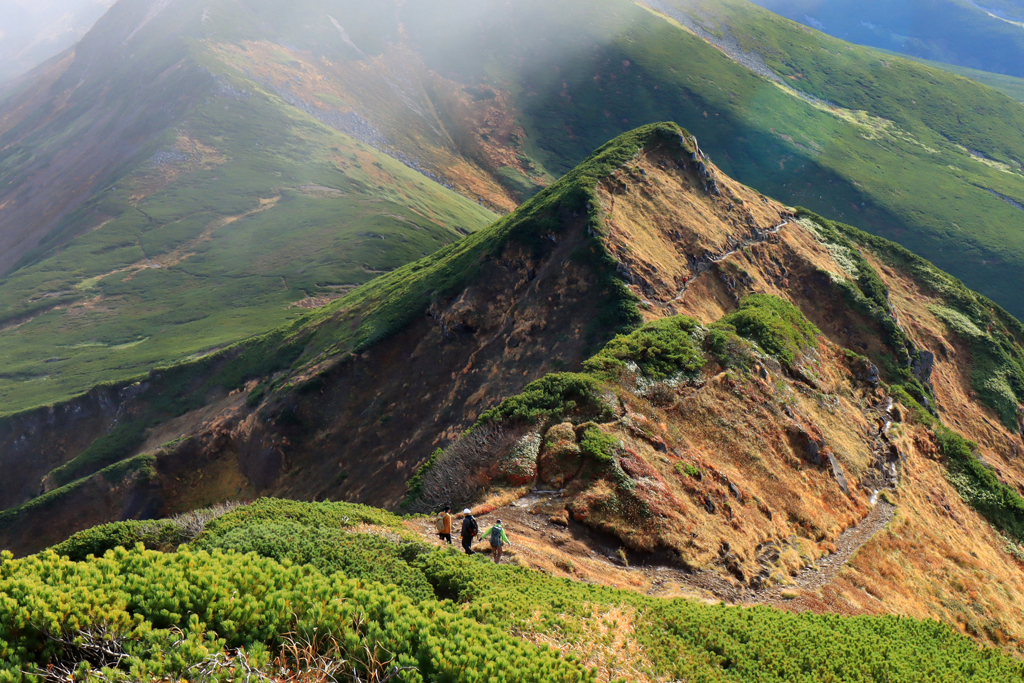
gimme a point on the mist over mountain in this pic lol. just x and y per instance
(986, 35)
(32, 31)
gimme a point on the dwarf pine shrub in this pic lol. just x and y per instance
(661, 349)
(776, 325)
(167, 614)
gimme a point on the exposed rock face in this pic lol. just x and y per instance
(559, 461)
(837, 470)
(806, 445)
(923, 365)
(33, 444)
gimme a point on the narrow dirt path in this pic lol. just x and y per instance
(704, 265)
(539, 542)
(811, 579)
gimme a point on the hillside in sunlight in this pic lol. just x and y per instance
(663, 380)
(195, 173)
(982, 35)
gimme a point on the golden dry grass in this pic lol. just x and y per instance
(937, 559)
(608, 644)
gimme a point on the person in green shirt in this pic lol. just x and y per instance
(498, 539)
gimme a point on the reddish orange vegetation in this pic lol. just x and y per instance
(463, 137)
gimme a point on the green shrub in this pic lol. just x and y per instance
(554, 396)
(415, 483)
(598, 445)
(324, 515)
(728, 348)
(164, 534)
(661, 349)
(359, 556)
(689, 469)
(174, 611)
(776, 325)
(775, 646)
(979, 486)
(917, 412)
(154, 535)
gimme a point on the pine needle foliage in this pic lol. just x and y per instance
(979, 486)
(172, 611)
(164, 615)
(776, 325)
(553, 397)
(661, 349)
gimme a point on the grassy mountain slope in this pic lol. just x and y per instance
(494, 106)
(791, 370)
(980, 35)
(1011, 86)
(212, 229)
(313, 577)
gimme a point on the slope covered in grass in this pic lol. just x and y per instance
(244, 213)
(983, 35)
(231, 614)
(232, 182)
(1012, 86)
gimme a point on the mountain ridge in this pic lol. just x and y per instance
(496, 133)
(788, 376)
(822, 356)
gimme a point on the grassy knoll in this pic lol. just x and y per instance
(251, 207)
(447, 618)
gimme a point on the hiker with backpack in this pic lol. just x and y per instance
(470, 529)
(498, 539)
(443, 523)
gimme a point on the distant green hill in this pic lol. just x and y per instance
(1008, 85)
(986, 35)
(131, 177)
